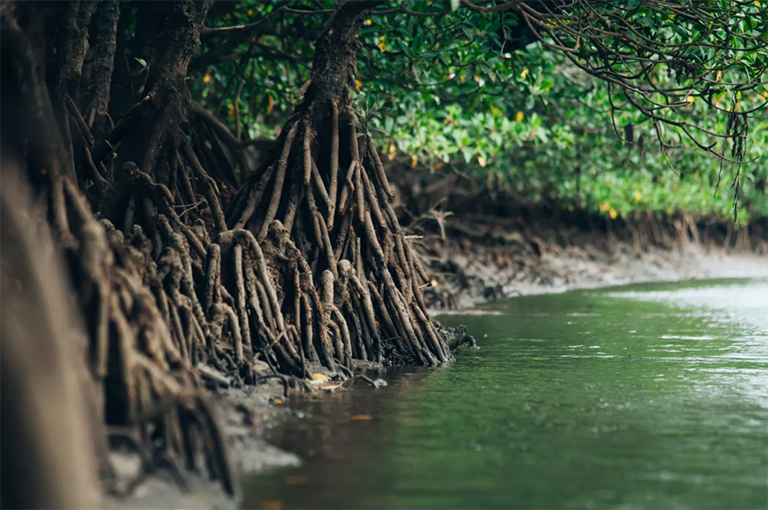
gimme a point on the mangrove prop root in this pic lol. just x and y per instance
(352, 236)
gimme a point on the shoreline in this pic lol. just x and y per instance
(243, 412)
(654, 267)
(499, 258)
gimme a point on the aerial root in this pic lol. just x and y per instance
(353, 234)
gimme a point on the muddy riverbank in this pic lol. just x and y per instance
(474, 257)
(244, 413)
(481, 243)
(475, 274)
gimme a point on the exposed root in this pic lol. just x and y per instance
(365, 248)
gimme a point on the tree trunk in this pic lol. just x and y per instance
(47, 423)
(102, 53)
(68, 26)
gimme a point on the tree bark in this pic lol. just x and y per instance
(172, 34)
(49, 428)
(96, 97)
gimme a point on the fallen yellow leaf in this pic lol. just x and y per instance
(328, 387)
(361, 417)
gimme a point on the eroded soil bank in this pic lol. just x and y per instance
(493, 263)
(484, 243)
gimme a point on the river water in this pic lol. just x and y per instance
(645, 396)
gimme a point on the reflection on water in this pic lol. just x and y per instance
(652, 396)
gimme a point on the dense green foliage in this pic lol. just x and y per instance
(477, 93)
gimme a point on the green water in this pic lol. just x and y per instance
(649, 396)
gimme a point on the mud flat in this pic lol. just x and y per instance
(493, 257)
(584, 269)
(243, 412)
